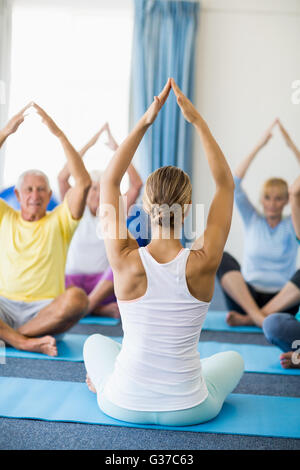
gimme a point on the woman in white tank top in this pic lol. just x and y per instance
(163, 292)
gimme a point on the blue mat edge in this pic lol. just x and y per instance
(226, 327)
(231, 346)
(94, 320)
(118, 423)
(97, 320)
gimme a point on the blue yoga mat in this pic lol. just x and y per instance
(253, 415)
(215, 321)
(69, 349)
(258, 359)
(94, 320)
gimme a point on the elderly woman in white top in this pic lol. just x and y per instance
(87, 264)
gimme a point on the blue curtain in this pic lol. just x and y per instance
(163, 46)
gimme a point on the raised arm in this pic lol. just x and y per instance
(294, 192)
(244, 205)
(93, 140)
(13, 124)
(289, 141)
(220, 212)
(64, 174)
(243, 166)
(135, 186)
(135, 182)
(118, 241)
(76, 195)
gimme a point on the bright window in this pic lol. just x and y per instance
(73, 58)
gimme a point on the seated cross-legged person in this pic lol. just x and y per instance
(34, 304)
(268, 281)
(164, 291)
(283, 329)
(87, 265)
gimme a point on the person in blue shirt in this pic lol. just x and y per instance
(268, 281)
(283, 329)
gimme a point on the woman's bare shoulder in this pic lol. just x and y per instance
(199, 277)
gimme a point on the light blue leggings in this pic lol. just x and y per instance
(221, 372)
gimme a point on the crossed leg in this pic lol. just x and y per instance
(235, 286)
(287, 297)
(59, 316)
(98, 304)
(283, 330)
(248, 307)
(45, 344)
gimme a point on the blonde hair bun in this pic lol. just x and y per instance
(167, 192)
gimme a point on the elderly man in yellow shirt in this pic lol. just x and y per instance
(34, 304)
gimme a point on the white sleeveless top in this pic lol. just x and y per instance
(158, 367)
(86, 254)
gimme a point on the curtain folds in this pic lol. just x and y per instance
(163, 46)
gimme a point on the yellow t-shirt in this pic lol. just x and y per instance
(33, 254)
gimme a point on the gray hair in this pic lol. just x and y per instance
(32, 172)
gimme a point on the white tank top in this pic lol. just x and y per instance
(158, 367)
(86, 254)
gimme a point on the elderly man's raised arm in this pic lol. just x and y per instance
(10, 128)
(13, 124)
(76, 196)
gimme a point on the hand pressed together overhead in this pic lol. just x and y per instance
(187, 108)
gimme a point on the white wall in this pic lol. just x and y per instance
(80, 74)
(247, 58)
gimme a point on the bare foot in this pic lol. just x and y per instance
(237, 319)
(90, 384)
(45, 345)
(290, 360)
(109, 310)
